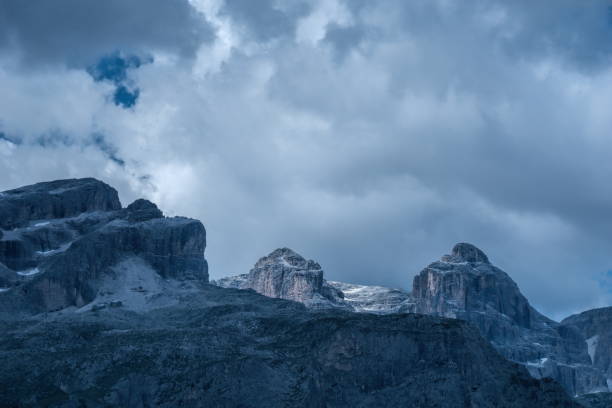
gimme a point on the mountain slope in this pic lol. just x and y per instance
(228, 348)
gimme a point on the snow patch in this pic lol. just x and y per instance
(4, 289)
(538, 363)
(29, 272)
(592, 346)
(41, 224)
(56, 250)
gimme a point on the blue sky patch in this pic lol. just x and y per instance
(115, 68)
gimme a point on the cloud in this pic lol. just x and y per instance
(370, 136)
(78, 32)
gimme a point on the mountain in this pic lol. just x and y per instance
(109, 306)
(596, 327)
(465, 285)
(63, 242)
(284, 274)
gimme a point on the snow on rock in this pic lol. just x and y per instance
(374, 299)
(29, 272)
(592, 346)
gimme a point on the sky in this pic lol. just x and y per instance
(369, 136)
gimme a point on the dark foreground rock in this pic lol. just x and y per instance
(596, 400)
(233, 348)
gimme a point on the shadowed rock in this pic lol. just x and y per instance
(234, 348)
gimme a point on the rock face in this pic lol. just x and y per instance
(596, 328)
(235, 348)
(287, 275)
(60, 241)
(466, 286)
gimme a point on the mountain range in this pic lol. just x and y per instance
(102, 305)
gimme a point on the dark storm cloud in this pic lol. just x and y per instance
(77, 32)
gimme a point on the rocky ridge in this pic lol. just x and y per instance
(465, 285)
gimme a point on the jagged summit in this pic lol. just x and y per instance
(464, 252)
(289, 258)
(285, 274)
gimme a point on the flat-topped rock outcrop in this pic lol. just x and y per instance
(60, 240)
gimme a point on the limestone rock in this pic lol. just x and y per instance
(596, 327)
(287, 275)
(66, 236)
(465, 285)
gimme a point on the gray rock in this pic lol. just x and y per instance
(464, 285)
(54, 262)
(287, 275)
(234, 348)
(596, 327)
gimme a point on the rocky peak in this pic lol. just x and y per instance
(287, 275)
(466, 286)
(464, 252)
(143, 210)
(288, 258)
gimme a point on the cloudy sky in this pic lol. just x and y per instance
(370, 136)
